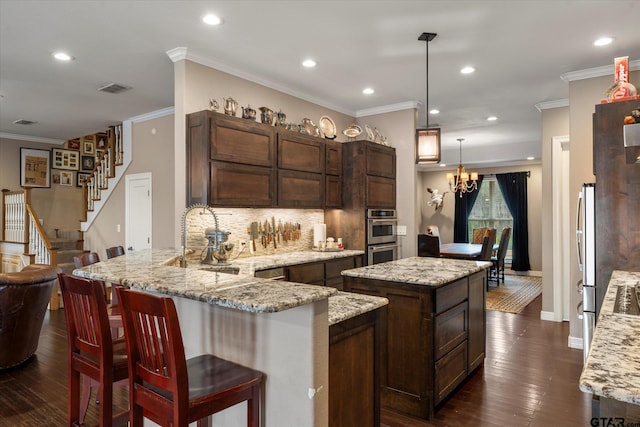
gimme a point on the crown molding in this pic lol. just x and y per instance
(547, 105)
(589, 73)
(388, 108)
(182, 53)
(177, 54)
(32, 138)
(152, 115)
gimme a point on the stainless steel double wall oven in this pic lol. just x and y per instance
(382, 245)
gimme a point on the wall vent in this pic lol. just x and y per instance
(24, 122)
(114, 88)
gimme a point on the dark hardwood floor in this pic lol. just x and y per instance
(529, 378)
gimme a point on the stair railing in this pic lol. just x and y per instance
(21, 225)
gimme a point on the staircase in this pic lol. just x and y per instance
(69, 244)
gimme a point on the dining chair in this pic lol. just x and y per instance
(163, 385)
(92, 352)
(428, 245)
(478, 234)
(85, 259)
(498, 260)
(114, 251)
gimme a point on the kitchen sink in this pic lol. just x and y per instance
(229, 269)
(627, 300)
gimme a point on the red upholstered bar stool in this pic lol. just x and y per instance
(114, 251)
(91, 350)
(165, 387)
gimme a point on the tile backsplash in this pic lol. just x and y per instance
(238, 220)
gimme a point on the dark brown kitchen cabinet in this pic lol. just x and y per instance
(333, 191)
(242, 141)
(381, 160)
(300, 190)
(432, 338)
(236, 162)
(381, 192)
(354, 377)
(242, 185)
(333, 158)
(326, 273)
(299, 152)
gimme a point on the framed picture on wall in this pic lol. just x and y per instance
(73, 144)
(35, 168)
(66, 178)
(87, 163)
(88, 147)
(65, 159)
(81, 178)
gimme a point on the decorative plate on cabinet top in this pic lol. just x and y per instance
(327, 127)
(352, 131)
(310, 127)
(369, 131)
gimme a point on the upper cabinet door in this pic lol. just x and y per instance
(300, 152)
(242, 141)
(333, 157)
(381, 160)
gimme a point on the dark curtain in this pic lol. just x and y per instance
(464, 204)
(514, 189)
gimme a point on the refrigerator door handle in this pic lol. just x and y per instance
(579, 231)
(580, 287)
(579, 310)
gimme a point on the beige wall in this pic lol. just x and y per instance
(555, 123)
(444, 218)
(152, 143)
(65, 212)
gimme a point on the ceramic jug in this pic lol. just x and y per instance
(213, 104)
(230, 106)
(281, 118)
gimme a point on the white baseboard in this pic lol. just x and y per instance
(575, 342)
(549, 316)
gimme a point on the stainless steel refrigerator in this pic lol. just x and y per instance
(586, 246)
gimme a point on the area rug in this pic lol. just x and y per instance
(515, 294)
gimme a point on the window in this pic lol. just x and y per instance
(490, 211)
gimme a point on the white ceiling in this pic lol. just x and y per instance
(519, 48)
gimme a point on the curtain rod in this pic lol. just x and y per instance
(493, 175)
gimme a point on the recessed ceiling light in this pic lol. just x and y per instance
(211, 19)
(492, 119)
(368, 91)
(603, 41)
(467, 70)
(530, 158)
(434, 111)
(62, 56)
(309, 63)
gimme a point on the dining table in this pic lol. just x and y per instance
(462, 250)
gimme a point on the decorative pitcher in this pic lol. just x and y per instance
(281, 118)
(266, 115)
(248, 113)
(213, 104)
(230, 106)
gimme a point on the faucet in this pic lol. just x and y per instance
(183, 229)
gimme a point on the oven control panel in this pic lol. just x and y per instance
(628, 300)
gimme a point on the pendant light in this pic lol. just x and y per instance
(427, 139)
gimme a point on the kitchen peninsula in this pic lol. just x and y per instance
(282, 328)
(433, 329)
(612, 368)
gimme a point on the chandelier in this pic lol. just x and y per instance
(462, 182)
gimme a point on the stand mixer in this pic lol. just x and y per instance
(218, 247)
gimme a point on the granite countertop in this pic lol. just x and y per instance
(155, 270)
(345, 305)
(612, 368)
(412, 270)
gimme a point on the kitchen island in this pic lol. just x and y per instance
(432, 330)
(280, 328)
(612, 369)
